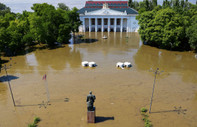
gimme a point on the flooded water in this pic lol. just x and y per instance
(120, 93)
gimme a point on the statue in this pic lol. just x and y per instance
(90, 101)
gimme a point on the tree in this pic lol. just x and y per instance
(44, 23)
(147, 5)
(4, 9)
(12, 38)
(182, 3)
(176, 3)
(63, 7)
(163, 28)
(166, 4)
(192, 33)
(136, 5)
(4, 20)
(131, 4)
(50, 25)
(74, 21)
(154, 3)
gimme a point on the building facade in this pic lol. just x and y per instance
(108, 16)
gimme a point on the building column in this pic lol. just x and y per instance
(121, 24)
(96, 24)
(84, 23)
(102, 25)
(127, 24)
(108, 25)
(115, 24)
(90, 25)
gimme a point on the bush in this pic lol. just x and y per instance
(144, 110)
(36, 120)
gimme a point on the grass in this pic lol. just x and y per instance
(32, 125)
(147, 122)
(36, 121)
(143, 110)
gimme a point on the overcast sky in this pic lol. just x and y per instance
(21, 5)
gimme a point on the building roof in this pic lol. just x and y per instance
(121, 6)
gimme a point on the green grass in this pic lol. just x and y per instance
(36, 121)
(143, 110)
(32, 125)
(147, 122)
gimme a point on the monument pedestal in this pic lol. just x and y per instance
(91, 116)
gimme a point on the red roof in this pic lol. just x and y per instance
(108, 2)
(111, 4)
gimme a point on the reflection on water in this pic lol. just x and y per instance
(121, 93)
(148, 57)
(179, 62)
(31, 59)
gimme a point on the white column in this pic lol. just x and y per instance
(115, 24)
(102, 26)
(108, 25)
(96, 24)
(84, 30)
(127, 24)
(121, 24)
(90, 25)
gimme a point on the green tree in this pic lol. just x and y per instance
(50, 25)
(176, 3)
(4, 20)
(147, 5)
(192, 33)
(13, 44)
(4, 9)
(164, 29)
(167, 4)
(64, 27)
(182, 3)
(44, 24)
(63, 6)
(75, 22)
(136, 5)
(131, 4)
(142, 7)
(154, 3)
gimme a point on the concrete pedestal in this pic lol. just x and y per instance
(91, 116)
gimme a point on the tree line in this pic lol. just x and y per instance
(172, 25)
(45, 25)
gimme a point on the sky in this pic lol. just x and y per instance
(18, 6)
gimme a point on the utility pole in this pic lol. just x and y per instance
(5, 68)
(156, 72)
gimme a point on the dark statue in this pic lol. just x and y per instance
(90, 101)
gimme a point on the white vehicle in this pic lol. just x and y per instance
(127, 64)
(104, 37)
(92, 64)
(120, 65)
(84, 63)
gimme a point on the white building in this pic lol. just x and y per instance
(108, 16)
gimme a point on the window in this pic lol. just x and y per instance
(105, 21)
(99, 21)
(118, 21)
(93, 21)
(111, 21)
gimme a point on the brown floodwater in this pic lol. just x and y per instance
(120, 93)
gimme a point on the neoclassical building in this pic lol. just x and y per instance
(108, 16)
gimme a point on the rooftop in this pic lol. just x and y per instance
(121, 6)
